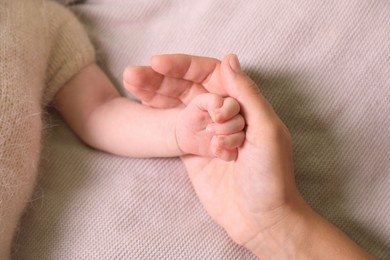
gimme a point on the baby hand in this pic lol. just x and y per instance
(211, 126)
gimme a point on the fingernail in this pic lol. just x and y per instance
(234, 63)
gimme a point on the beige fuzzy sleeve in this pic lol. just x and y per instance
(71, 49)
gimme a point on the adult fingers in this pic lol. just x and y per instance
(142, 77)
(200, 70)
(145, 83)
(159, 101)
(193, 68)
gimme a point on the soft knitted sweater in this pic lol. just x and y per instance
(41, 46)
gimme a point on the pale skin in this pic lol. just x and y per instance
(210, 125)
(255, 197)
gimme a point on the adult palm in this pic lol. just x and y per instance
(254, 193)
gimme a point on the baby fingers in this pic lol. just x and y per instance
(227, 142)
(227, 111)
(234, 125)
(225, 147)
(227, 155)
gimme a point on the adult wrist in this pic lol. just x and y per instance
(287, 238)
(304, 234)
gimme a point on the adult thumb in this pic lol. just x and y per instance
(238, 85)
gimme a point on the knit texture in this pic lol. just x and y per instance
(41, 46)
(324, 66)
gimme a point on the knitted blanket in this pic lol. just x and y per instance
(323, 65)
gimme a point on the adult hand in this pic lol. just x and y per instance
(255, 198)
(253, 193)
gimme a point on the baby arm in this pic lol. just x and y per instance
(106, 121)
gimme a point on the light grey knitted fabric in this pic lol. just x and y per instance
(325, 67)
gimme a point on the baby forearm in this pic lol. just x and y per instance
(93, 108)
(124, 127)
